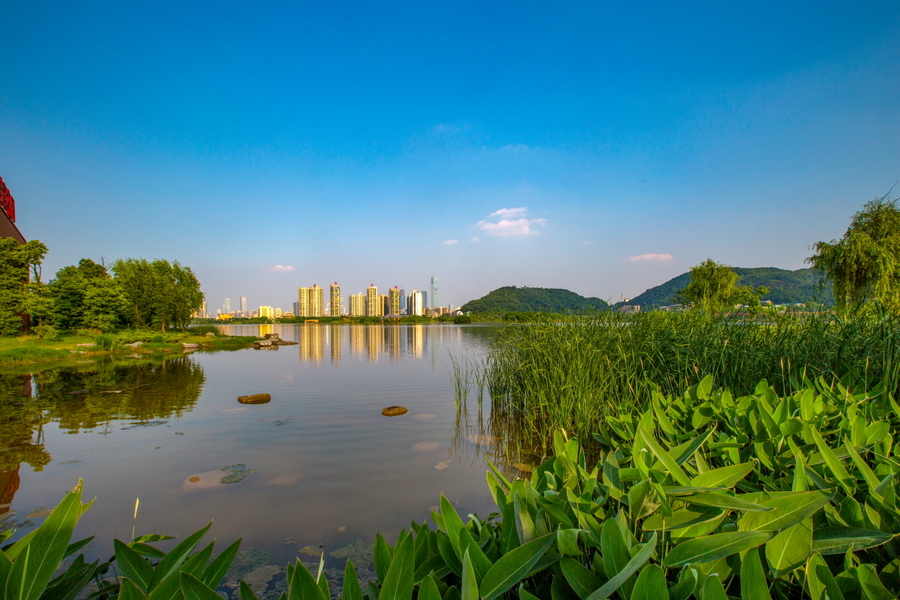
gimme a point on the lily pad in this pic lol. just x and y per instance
(443, 465)
(426, 446)
(482, 440)
(394, 411)
(209, 479)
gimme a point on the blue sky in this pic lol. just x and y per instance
(596, 146)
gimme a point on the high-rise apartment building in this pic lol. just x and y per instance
(385, 303)
(415, 304)
(424, 299)
(402, 301)
(373, 308)
(335, 308)
(243, 305)
(311, 301)
(394, 301)
(266, 312)
(203, 313)
(227, 307)
(434, 292)
(296, 309)
(358, 305)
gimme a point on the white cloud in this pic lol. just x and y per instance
(280, 269)
(589, 243)
(450, 242)
(510, 226)
(475, 239)
(509, 212)
(649, 257)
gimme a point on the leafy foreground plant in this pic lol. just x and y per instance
(703, 496)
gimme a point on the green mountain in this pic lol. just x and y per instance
(512, 299)
(785, 287)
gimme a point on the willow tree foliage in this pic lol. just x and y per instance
(714, 287)
(864, 265)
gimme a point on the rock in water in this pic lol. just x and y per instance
(231, 474)
(254, 399)
(394, 411)
(425, 446)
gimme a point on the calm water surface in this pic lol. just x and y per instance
(328, 468)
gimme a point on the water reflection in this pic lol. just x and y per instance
(86, 398)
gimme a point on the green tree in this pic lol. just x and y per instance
(160, 293)
(864, 265)
(713, 287)
(105, 305)
(19, 264)
(69, 288)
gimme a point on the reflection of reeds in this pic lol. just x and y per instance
(571, 374)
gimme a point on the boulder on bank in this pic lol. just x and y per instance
(189, 347)
(255, 399)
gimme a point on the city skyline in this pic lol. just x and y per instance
(600, 148)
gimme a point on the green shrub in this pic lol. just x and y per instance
(105, 342)
(204, 329)
(157, 339)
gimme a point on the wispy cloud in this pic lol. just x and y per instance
(475, 239)
(450, 242)
(649, 257)
(589, 243)
(280, 269)
(509, 212)
(509, 226)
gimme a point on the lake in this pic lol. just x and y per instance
(315, 469)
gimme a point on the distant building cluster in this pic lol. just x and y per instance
(312, 303)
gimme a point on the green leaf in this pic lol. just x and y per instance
(785, 511)
(398, 583)
(650, 585)
(665, 458)
(819, 580)
(636, 562)
(32, 570)
(871, 585)
(567, 542)
(351, 589)
(513, 566)
(128, 590)
(680, 519)
(194, 589)
(715, 546)
(428, 590)
(723, 477)
(712, 589)
(247, 593)
(834, 463)
(723, 501)
(753, 578)
(838, 540)
(133, 565)
(215, 572)
(790, 548)
(687, 583)
(303, 586)
(174, 559)
(580, 578)
(382, 557)
(469, 585)
(480, 562)
(147, 551)
(452, 523)
(143, 539)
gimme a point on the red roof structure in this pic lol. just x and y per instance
(8, 215)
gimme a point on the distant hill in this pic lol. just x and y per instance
(785, 287)
(512, 299)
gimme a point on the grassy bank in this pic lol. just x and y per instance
(570, 374)
(28, 349)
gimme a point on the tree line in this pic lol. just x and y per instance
(130, 293)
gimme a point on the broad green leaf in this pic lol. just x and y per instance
(480, 562)
(867, 473)
(32, 570)
(428, 590)
(871, 584)
(613, 548)
(838, 540)
(567, 542)
(753, 578)
(452, 523)
(524, 523)
(215, 572)
(247, 593)
(143, 539)
(636, 562)
(680, 519)
(790, 548)
(723, 477)
(688, 580)
(525, 594)
(303, 586)
(715, 546)
(147, 551)
(350, 589)
(712, 589)
(834, 463)
(133, 565)
(128, 590)
(513, 566)
(785, 511)
(174, 559)
(723, 501)
(194, 589)
(650, 585)
(382, 557)
(580, 578)
(468, 586)
(398, 583)
(665, 458)
(819, 580)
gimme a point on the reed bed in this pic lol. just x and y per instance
(569, 374)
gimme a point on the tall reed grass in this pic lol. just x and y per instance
(569, 374)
